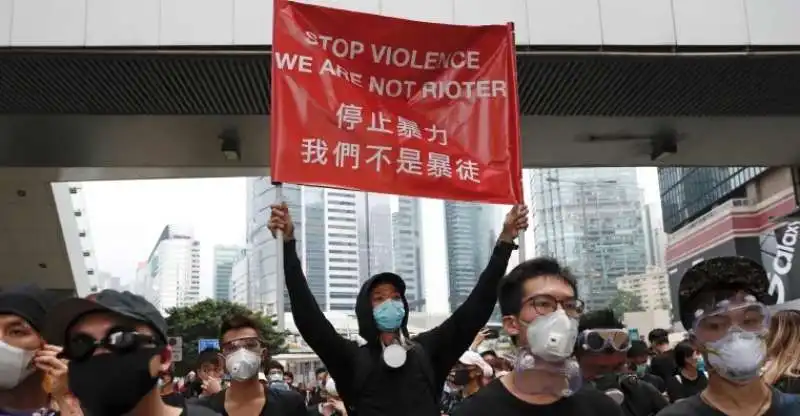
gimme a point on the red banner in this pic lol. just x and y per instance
(379, 104)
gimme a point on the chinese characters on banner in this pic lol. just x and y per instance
(388, 105)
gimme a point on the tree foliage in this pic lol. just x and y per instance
(203, 320)
(625, 301)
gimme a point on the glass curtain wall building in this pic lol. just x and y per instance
(406, 245)
(471, 235)
(590, 219)
(224, 258)
(687, 193)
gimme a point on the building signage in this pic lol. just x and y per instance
(777, 253)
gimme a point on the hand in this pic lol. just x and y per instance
(480, 337)
(211, 385)
(516, 221)
(280, 219)
(55, 370)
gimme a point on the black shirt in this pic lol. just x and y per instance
(494, 399)
(686, 387)
(782, 405)
(278, 403)
(788, 384)
(656, 381)
(174, 399)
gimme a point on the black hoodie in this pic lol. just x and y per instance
(387, 392)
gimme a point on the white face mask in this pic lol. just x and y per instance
(14, 365)
(275, 377)
(738, 356)
(552, 337)
(243, 364)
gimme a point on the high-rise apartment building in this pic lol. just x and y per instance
(471, 235)
(654, 237)
(652, 288)
(591, 220)
(407, 261)
(224, 257)
(337, 242)
(172, 274)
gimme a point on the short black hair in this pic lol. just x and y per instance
(509, 292)
(290, 374)
(208, 356)
(320, 370)
(238, 322)
(658, 336)
(274, 365)
(638, 349)
(599, 319)
(683, 351)
(488, 352)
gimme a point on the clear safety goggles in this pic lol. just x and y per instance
(748, 316)
(601, 340)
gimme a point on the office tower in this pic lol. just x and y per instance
(378, 238)
(655, 239)
(407, 261)
(224, 257)
(173, 269)
(239, 279)
(471, 235)
(591, 220)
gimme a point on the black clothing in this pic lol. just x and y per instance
(407, 390)
(656, 381)
(685, 387)
(782, 405)
(641, 397)
(788, 384)
(494, 399)
(663, 365)
(278, 403)
(174, 399)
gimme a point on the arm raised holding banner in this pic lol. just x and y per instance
(333, 349)
(449, 340)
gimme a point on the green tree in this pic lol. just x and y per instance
(625, 301)
(203, 320)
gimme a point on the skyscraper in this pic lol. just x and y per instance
(342, 237)
(224, 257)
(407, 261)
(591, 220)
(471, 235)
(172, 274)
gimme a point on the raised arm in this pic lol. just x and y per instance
(333, 349)
(448, 341)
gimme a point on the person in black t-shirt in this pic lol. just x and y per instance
(601, 350)
(722, 301)
(662, 364)
(637, 362)
(208, 378)
(244, 350)
(540, 310)
(169, 394)
(690, 379)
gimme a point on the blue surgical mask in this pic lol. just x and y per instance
(389, 315)
(641, 370)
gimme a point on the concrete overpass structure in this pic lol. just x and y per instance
(130, 89)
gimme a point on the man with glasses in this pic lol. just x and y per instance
(721, 301)
(116, 344)
(601, 350)
(540, 313)
(244, 353)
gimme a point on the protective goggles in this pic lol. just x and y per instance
(601, 340)
(748, 316)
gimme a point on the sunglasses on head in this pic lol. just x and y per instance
(82, 346)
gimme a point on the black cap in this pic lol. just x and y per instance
(126, 304)
(29, 302)
(720, 273)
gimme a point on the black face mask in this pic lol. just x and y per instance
(113, 384)
(461, 377)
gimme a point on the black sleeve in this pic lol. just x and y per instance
(335, 351)
(656, 399)
(448, 341)
(674, 389)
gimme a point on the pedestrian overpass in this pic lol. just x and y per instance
(123, 89)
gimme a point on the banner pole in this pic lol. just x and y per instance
(280, 276)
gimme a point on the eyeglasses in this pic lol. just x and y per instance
(250, 344)
(600, 340)
(81, 346)
(546, 304)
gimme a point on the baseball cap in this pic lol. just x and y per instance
(473, 358)
(720, 273)
(29, 302)
(127, 304)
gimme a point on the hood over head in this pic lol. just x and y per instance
(366, 323)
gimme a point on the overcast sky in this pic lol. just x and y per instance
(126, 217)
